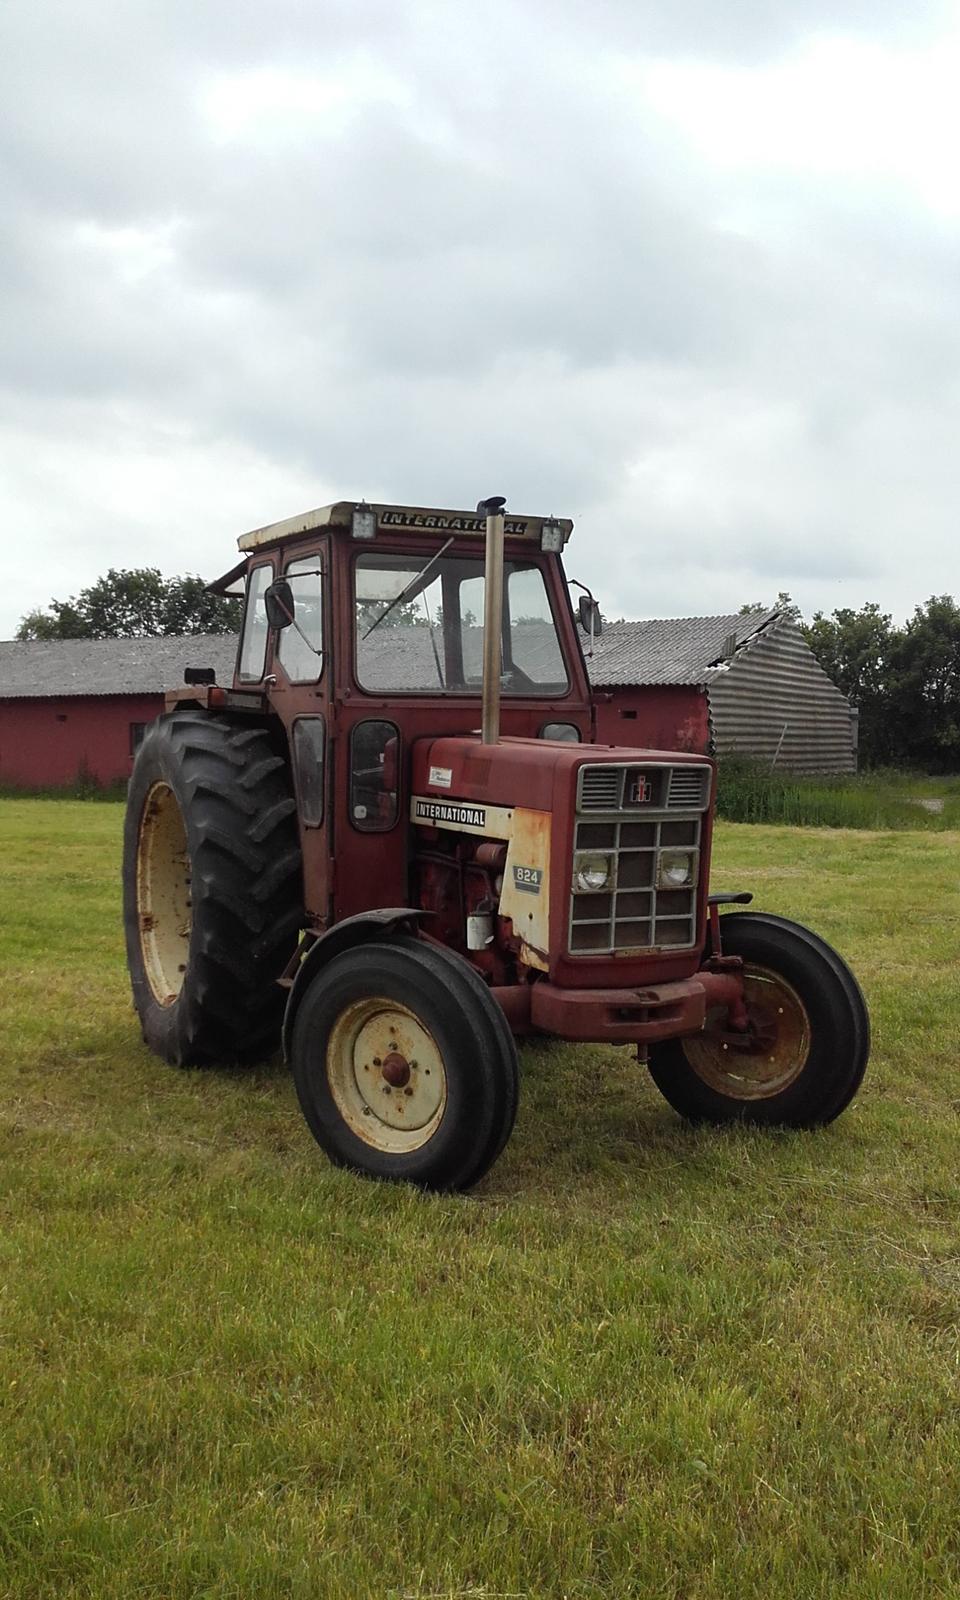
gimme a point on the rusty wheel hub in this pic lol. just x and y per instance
(396, 1070)
(767, 1058)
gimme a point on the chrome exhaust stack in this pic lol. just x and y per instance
(492, 509)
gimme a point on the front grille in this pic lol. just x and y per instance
(631, 815)
(689, 788)
(600, 788)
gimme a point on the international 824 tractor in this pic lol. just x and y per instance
(392, 843)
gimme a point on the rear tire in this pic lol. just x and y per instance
(212, 889)
(404, 1064)
(809, 1044)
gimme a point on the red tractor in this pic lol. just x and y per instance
(346, 850)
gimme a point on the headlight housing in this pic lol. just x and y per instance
(593, 872)
(677, 869)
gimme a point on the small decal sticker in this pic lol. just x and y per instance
(441, 777)
(455, 811)
(528, 879)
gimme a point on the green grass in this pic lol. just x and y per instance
(639, 1360)
(883, 799)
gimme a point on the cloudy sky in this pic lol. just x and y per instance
(687, 273)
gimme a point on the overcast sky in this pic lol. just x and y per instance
(687, 273)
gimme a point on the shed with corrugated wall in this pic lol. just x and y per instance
(746, 686)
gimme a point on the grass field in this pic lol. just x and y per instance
(638, 1360)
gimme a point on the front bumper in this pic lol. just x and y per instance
(620, 1016)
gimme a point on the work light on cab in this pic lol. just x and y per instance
(363, 523)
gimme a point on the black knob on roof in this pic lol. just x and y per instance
(489, 508)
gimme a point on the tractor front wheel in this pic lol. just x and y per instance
(801, 1060)
(404, 1065)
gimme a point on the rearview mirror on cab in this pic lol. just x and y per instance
(278, 603)
(590, 619)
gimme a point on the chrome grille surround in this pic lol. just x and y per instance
(633, 812)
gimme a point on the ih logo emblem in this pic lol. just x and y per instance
(641, 790)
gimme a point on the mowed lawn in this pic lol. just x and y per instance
(638, 1360)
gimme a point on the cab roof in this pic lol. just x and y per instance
(400, 519)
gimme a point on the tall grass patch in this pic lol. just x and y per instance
(878, 800)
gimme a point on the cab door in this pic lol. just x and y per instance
(300, 693)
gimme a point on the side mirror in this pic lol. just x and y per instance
(590, 619)
(278, 603)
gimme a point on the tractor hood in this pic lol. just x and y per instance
(545, 800)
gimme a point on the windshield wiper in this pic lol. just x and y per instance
(414, 583)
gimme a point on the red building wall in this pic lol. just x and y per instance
(660, 717)
(50, 741)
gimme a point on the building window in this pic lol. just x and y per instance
(137, 731)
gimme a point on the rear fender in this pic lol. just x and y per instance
(351, 931)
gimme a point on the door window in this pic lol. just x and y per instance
(301, 653)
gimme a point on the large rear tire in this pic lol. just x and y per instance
(806, 1052)
(212, 889)
(405, 1066)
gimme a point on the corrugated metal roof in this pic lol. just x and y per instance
(31, 670)
(670, 650)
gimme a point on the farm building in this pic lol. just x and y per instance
(746, 685)
(737, 685)
(77, 708)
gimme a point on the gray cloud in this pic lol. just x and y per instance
(426, 252)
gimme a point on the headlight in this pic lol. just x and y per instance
(677, 869)
(593, 873)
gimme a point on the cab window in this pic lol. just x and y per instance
(301, 652)
(374, 775)
(253, 641)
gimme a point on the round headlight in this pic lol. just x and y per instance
(593, 873)
(676, 869)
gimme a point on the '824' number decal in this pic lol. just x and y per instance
(528, 879)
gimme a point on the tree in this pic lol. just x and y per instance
(784, 602)
(133, 603)
(854, 648)
(925, 685)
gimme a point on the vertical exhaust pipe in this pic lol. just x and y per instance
(492, 509)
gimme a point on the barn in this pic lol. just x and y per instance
(745, 686)
(76, 708)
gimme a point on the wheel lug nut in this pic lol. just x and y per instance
(376, 1061)
(408, 1091)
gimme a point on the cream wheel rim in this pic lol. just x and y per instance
(764, 1062)
(386, 1075)
(163, 893)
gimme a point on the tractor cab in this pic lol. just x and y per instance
(363, 631)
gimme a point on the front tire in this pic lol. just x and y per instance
(404, 1064)
(809, 1040)
(211, 888)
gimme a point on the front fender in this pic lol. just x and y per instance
(351, 931)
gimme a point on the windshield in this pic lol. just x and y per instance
(419, 627)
